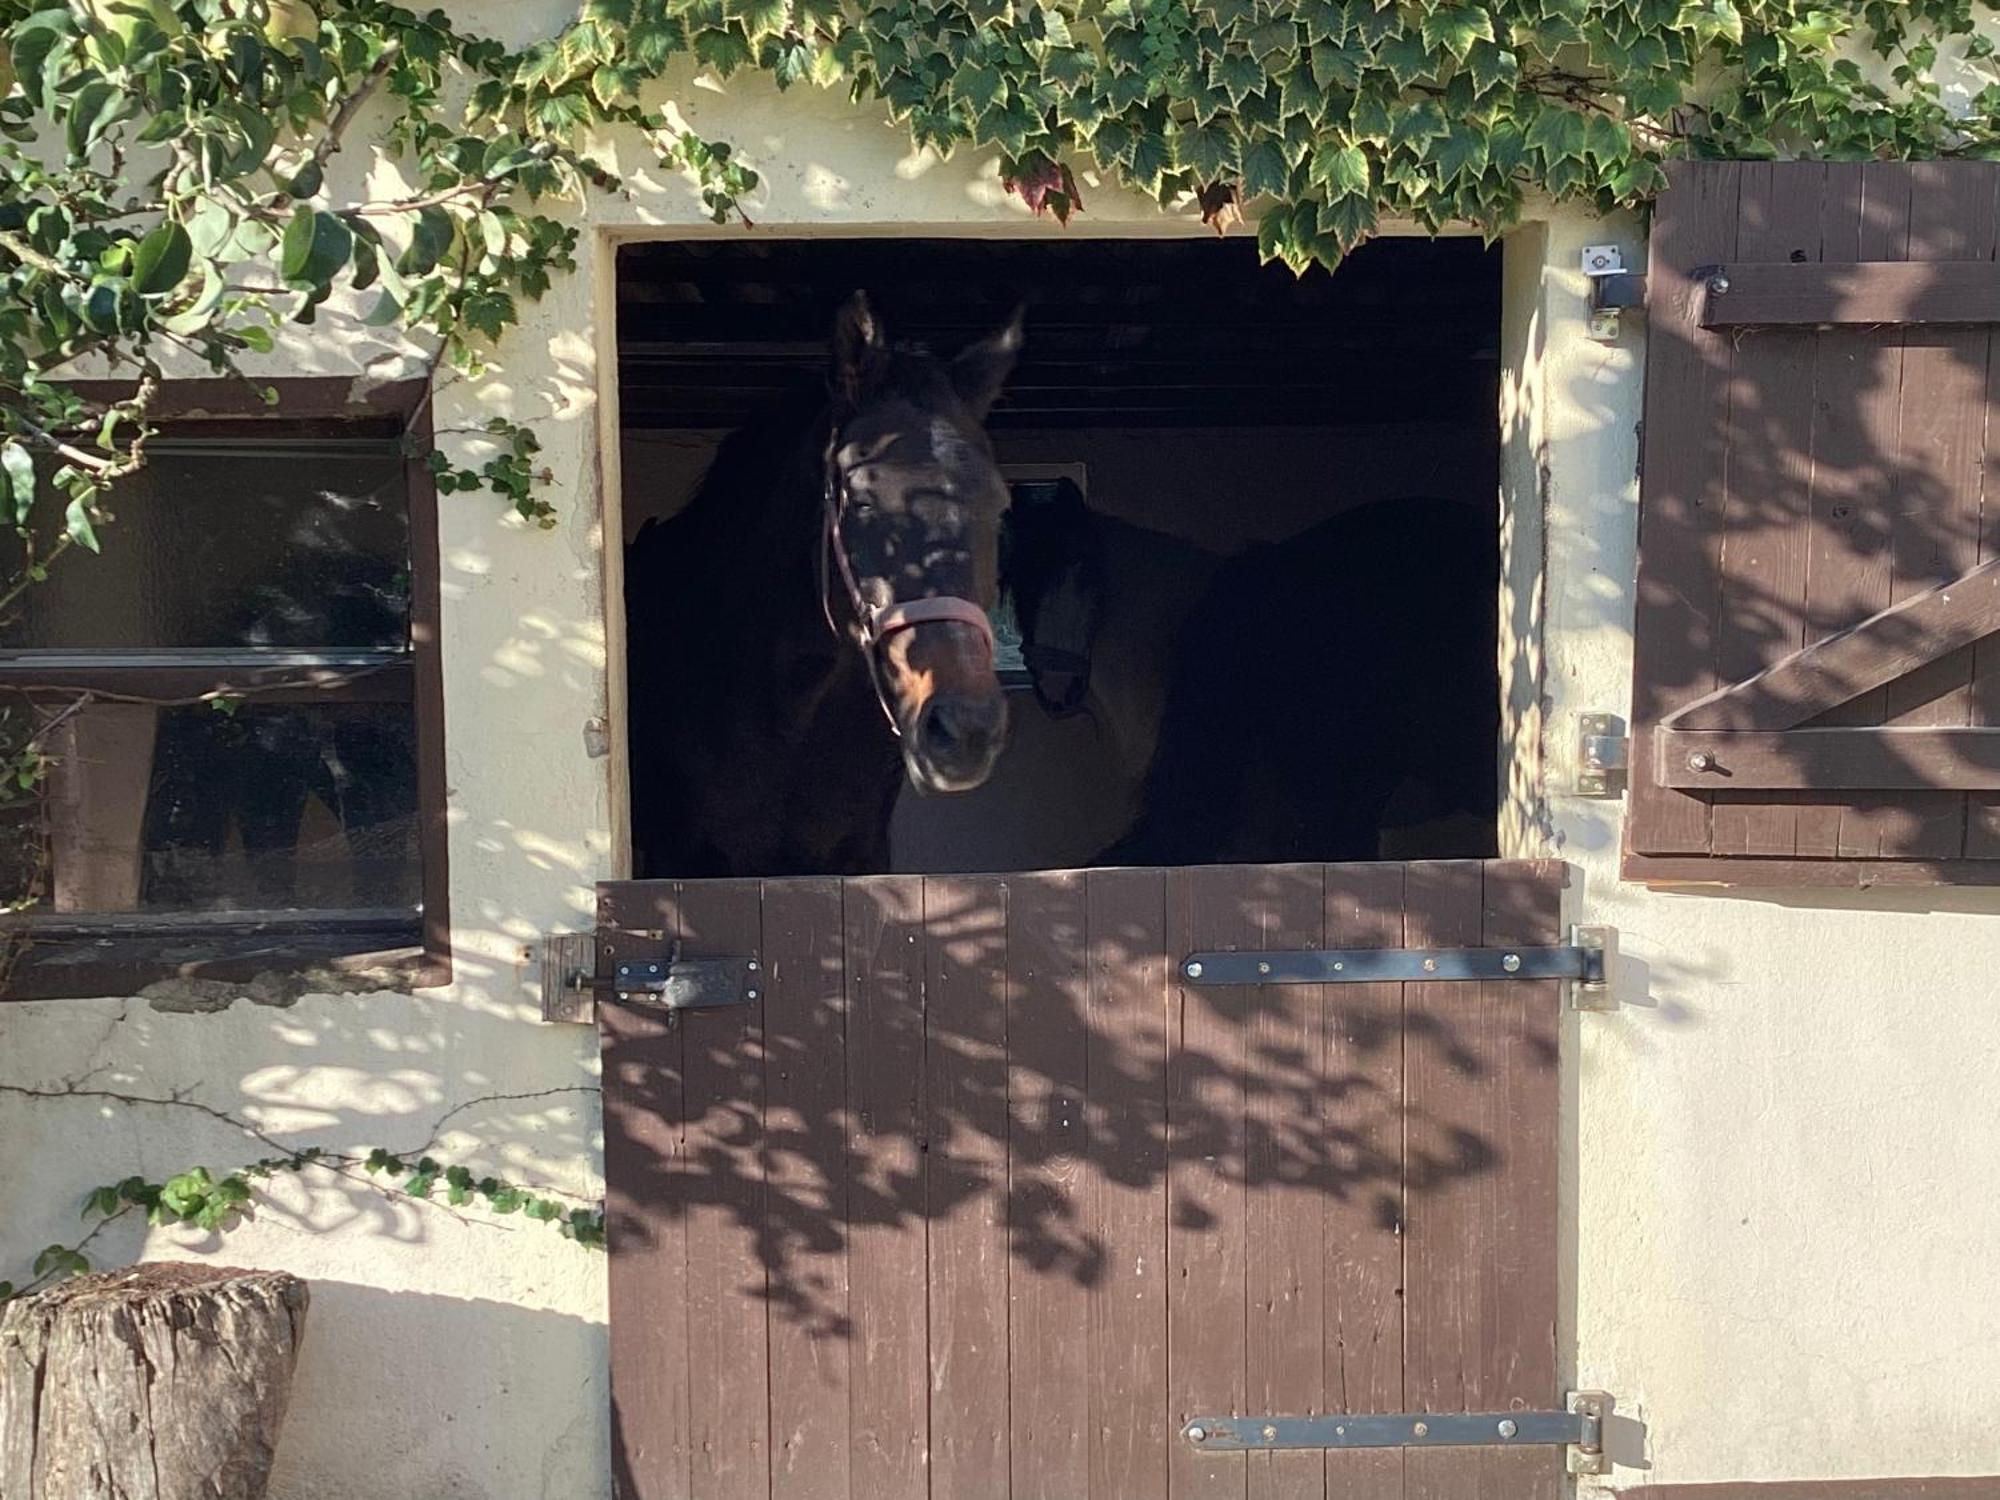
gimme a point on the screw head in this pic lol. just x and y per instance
(1422, 1429)
(1701, 760)
(752, 966)
(1718, 285)
(1263, 968)
(1511, 963)
(750, 994)
(1193, 971)
(1270, 1433)
(1508, 1427)
(1197, 1434)
(1430, 966)
(652, 968)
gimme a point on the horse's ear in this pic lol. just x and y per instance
(860, 352)
(982, 368)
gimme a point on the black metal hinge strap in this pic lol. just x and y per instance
(677, 983)
(1407, 965)
(1581, 1428)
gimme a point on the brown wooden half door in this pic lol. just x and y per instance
(978, 1198)
(1816, 695)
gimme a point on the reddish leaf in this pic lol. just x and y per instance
(1221, 205)
(1046, 187)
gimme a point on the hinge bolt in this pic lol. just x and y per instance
(1701, 760)
(1263, 968)
(752, 966)
(1512, 964)
(1718, 286)
(1507, 1428)
(1430, 966)
(1270, 1433)
(1422, 1429)
(1197, 1434)
(1194, 972)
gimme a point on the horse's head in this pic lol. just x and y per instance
(913, 506)
(1054, 573)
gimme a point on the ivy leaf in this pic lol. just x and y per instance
(1269, 39)
(1558, 133)
(725, 50)
(1406, 57)
(1456, 27)
(1343, 65)
(161, 261)
(1208, 151)
(1265, 170)
(1340, 168)
(1415, 127)
(1152, 158)
(1238, 75)
(1348, 220)
(1606, 141)
(1491, 66)
(1462, 153)
(977, 87)
(1370, 120)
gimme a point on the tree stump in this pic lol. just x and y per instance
(162, 1382)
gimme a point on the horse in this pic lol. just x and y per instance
(1309, 702)
(811, 633)
(1096, 599)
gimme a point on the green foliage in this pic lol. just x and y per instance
(164, 173)
(202, 1200)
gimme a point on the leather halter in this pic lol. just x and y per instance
(878, 624)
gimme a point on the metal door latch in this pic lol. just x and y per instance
(1603, 755)
(672, 984)
(1579, 1427)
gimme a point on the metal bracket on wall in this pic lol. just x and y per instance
(1613, 290)
(1579, 1427)
(571, 985)
(1603, 755)
(1585, 962)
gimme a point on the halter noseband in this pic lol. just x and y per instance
(878, 624)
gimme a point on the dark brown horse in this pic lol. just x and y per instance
(811, 631)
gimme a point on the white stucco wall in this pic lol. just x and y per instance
(1778, 1149)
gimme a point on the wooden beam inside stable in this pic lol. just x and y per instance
(1885, 646)
(1871, 759)
(1778, 294)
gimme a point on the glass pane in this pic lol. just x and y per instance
(231, 545)
(273, 807)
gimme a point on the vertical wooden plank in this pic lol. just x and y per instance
(1682, 505)
(1768, 461)
(805, 1185)
(1481, 1173)
(1875, 422)
(1054, 1255)
(1205, 1286)
(888, 1409)
(646, 1193)
(1361, 1093)
(965, 1182)
(1982, 816)
(1839, 570)
(1125, 1072)
(729, 1393)
(1284, 1172)
(1943, 455)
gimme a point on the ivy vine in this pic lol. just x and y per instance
(200, 1199)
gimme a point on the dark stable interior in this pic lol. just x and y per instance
(1285, 490)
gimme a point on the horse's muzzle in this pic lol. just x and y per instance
(956, 740)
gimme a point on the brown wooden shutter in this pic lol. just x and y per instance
(1816, 671)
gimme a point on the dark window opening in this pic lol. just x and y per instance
(1290, 486)
(237, 705)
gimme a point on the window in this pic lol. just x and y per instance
(241, 704)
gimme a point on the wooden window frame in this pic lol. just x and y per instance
(86, 954)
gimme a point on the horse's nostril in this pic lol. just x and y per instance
(959, 729)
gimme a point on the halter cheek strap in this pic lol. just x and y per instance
(877, 625)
